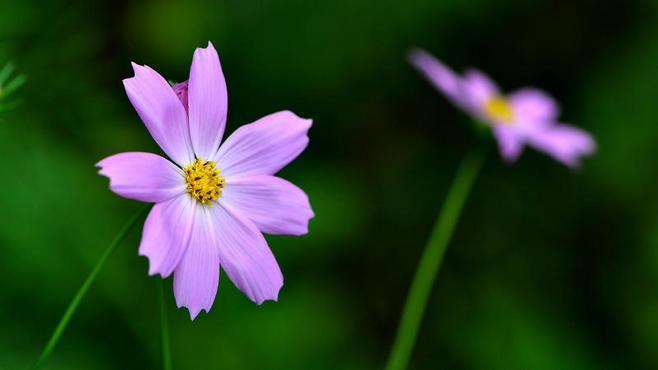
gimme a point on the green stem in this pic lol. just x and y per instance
(164, 328)
(70, 310)
(430, 262)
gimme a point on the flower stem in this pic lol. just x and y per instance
(164, 328)
(430, 261)
(70, 310)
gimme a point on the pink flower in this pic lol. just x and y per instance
(527, 116)
(212, 202)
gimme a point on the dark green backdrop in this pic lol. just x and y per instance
(549, 268)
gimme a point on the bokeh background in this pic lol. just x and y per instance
(549, 268)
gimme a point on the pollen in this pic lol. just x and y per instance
(204, 182)
(499, 110)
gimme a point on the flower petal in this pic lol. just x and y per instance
(567, 144)
(275, 205)
(509, 142)
(265, 146)
(167, 234)
(142, 176)
(478, 89)
(180, 89)
(533, 105)
(162, 112)
(245, 255)
(442, 77)
(207, 99)
(197, 275)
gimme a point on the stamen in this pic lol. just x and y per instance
(204, 182)
(499, 110)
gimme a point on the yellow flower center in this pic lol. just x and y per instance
(204, 181)
(499, 110)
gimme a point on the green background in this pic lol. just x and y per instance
(549, 268)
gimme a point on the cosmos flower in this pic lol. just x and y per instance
(212, 202)
(527, 116)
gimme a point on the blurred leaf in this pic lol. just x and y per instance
(8, 85)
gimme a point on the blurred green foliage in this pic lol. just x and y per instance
(8, 85)
(549, 269)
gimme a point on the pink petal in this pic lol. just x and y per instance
(208, 102)
(275, 205)
(142, 176)
(167, 234)
(510, 144)
(162, 112)
(533, 106)
(180, 89)
(567, 144)
(265, 146)
(245, 256)
(197, 275)
(478, 89)
(442, 77)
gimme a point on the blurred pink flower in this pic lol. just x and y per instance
(527, 116)
(212, 202)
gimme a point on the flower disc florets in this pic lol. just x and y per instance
(498, 109)
(204, 182)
